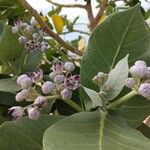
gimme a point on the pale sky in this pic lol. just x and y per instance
(44, 6)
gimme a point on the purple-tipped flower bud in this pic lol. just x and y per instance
(26, 82)
(59, 79)
(52, 75)
(19, 79)
(100, 78)
(57, 67)
(144, 89)
(15, 30)
(40, 102)
(33, 22)
(33, 113)
(22, 40)
(16, 112)
(139, 69)
(37, 76)
(48, 87)
(129, 82)
(69, 66)
(66, 94)
(22, 95)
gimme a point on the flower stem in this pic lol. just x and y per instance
(121, 100)
(74, 105)
(53, 97)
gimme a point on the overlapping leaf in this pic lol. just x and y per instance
(27, 134)
(93, 130)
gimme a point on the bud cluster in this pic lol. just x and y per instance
(140, 78)
(30, 36)
(62, 84)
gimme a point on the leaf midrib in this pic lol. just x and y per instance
(121, 42)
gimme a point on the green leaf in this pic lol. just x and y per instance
(135, 110)
(96, 100)
(10, 48)
(9, 85)
(116, 79)
(120, 34)
(93, 131)
(145, 130)
(26, 134)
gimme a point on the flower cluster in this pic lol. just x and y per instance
(30, 36)
(61, 84)
(140, 78)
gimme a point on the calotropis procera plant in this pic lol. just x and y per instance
(53, 106)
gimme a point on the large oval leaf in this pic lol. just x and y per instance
(120, 34)
(93, 131)
(26, 134)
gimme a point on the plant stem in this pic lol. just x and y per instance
(43, 25)
(53, 97)
(74, 105)
(121, 100)
(46, 60)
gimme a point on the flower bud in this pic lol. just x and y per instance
(22, 95)
(139, 69)
(33, 113)
(16, 112)
(33, 22)
(140, 62)
(24, 25)
(48, 87)
(59, 79)
(66, 94)
(37, 75)
(148, 73)
(144, 89)
(43, 48)
(29, 29)
(26, 82)
(40, 102)
(57, 67)
(52, 75)
(35, 35)
(129, 82)
(19, 79)
(69, 66)
(15, 30)
(100, 78)
(22, 40)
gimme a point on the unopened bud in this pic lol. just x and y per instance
(22, 95)
(57, 67)
(29, 29)
(66, 94)
(14, 30)
(33, 22)
(129, 82)
(52, 75)
(33, 113)
(69, 66)
(40, 102)
(22, 40)
(100, 78)
(139, 69)
(26, 82)
(59, 79)
(144, 90)
(16, 112)
(43, 48)
(48, 87)
(19, 79)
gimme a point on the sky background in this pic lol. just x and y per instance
(44, 7)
